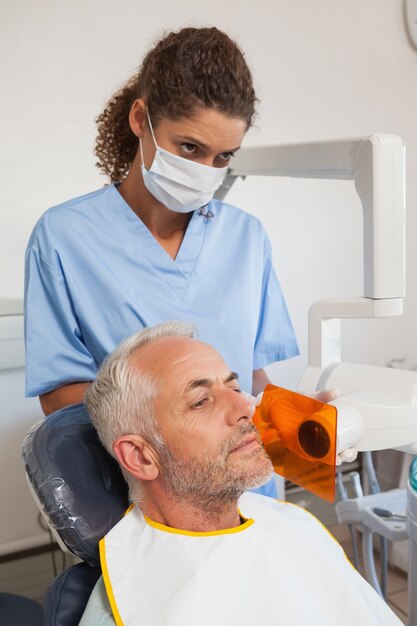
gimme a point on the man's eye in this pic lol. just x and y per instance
(200, 403)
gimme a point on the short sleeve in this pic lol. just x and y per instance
(55, 352)
(275, 339)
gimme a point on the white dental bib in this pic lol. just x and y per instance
(280, 567)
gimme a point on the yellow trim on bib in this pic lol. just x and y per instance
(107, 583)
(129, 508)
(242, 516)
(191, 533)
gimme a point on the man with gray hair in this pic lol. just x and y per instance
(195, 547)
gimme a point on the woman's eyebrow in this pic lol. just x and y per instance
(200, 144)
(192, 140)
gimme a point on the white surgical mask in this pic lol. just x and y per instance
(178, 183)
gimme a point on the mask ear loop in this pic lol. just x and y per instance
(153, 137)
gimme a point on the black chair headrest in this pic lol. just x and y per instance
(77, 483)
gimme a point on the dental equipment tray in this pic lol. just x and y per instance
(360, 511)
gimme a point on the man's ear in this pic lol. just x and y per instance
(136, 456)
(137, 117)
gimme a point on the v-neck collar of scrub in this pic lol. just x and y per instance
(176, 272)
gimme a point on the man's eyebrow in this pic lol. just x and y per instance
(207, 382)
(232, 376)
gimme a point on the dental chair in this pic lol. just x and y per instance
(82, 494)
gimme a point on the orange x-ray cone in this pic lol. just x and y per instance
(299, 435)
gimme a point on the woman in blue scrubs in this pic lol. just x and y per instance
(154, 245)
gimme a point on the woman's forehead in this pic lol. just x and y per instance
(207, 125)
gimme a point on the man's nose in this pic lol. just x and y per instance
(238, 407)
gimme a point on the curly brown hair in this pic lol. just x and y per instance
(194, 67)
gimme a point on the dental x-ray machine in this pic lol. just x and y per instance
(377, 408)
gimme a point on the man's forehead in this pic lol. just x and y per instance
(170, 354)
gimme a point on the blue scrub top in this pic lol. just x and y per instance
(95, 275)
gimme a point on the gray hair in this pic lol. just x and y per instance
(121, 399)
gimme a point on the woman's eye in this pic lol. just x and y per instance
(189, 148)
(226, 156)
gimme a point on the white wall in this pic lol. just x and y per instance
(324, 69)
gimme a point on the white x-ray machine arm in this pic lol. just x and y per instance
(378, 406)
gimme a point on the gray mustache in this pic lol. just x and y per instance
(244, 429)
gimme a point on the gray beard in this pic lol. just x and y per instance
(210, 484)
